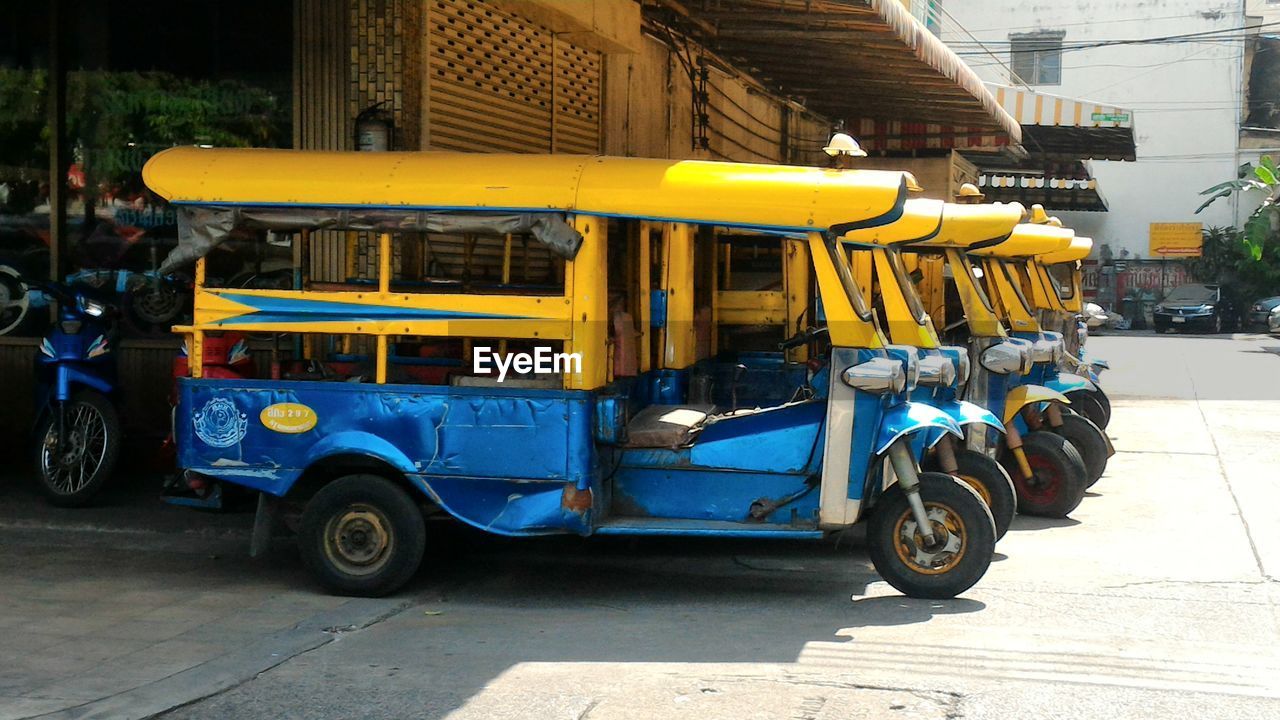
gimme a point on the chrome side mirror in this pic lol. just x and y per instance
(877, 375)
(937, 371)
(1004, 358)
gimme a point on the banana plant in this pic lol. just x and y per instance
(1264, 222)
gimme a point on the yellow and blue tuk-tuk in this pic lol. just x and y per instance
(1012, 278)
(891, 290)
(566, 408)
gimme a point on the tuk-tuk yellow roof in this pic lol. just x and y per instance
(1078, 250)
(1027, 240)
(965, 225)
(920, 219)
(776, 197)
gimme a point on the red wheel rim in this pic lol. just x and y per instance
(1045, 484)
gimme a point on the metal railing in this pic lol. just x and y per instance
(928, 12)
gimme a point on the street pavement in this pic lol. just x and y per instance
(1158, 598)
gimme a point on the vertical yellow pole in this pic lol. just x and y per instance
(351, 255)
(586, 292)
(680, 344)
(381, 372)
(644, 315)
(195, 345)
(384, 286)
(713, 255)
(795, 269)
(506, 279)
(384, 263)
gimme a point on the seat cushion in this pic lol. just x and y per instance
(666, 426)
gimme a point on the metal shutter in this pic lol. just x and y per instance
(495, 81)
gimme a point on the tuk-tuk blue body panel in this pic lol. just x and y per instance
(225, 430)
(767, 456)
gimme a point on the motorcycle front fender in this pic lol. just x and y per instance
(909, 417)
(1025, 395)
(66, 377)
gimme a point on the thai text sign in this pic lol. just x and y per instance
(1175, 239)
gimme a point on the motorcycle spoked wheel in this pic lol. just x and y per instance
(72, 469)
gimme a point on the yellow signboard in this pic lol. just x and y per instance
(1176, 239)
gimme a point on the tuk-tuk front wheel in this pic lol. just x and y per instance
(1092, 404)
(1086, 437)
(964, 539)
(989, 480)
(362, 535)
(1057, 481)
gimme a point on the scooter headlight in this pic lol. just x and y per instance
(91, 307)
(877, 375)
(937, 371)
(1005, 358)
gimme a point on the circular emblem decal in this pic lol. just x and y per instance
(220, 423)
(290, 418)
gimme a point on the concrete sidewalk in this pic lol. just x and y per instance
(131, 609)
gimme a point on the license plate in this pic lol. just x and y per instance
(1179, 319)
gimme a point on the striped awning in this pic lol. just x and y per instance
(1057, 127)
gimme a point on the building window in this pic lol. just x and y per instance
(1037, 57)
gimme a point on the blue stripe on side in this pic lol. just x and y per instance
(269, 309)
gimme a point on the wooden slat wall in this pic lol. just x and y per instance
(648, 113)
(499, 83)
(321, 120)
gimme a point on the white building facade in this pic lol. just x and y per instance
(1183, 83)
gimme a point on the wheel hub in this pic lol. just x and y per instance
(947, 548)
(358, 540)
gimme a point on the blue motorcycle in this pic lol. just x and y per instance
(78, 432)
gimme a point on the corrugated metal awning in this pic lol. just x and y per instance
(1066, 128)
(868, 62)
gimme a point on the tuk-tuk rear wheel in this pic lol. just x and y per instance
(990, 481)
(964, 539)
(362, 535)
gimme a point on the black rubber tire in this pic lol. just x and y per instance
(975, 469)
(1087, 439)
(1059, 482)
(405, 529)
(95, 402)
(977, 533)
(1093, 404)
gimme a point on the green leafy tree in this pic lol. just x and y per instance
(1246, 261)
(1264, 223)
